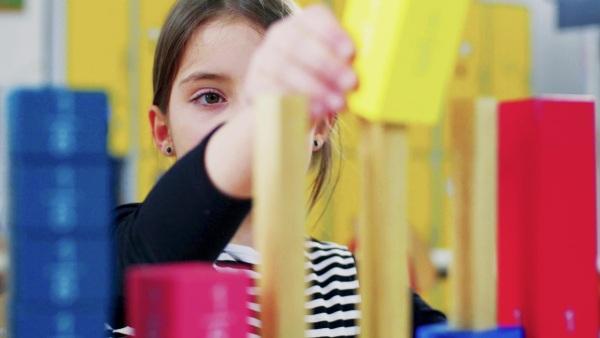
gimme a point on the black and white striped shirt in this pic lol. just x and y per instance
(332, 287)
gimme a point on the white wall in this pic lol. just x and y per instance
(22, 38)
(23, 62)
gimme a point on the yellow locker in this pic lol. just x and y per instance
(511, 61)
(346, 202)
(151, 15)
(466, 79)
(494, 60)
(97, 57)
(335, 214)
(495, 53)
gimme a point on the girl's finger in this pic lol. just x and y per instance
(320, 20)
(318, 58)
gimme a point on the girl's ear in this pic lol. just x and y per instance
(322, 130)
(160, 131)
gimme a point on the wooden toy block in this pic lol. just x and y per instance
(444, 331)
(474, 141)
(187, 300)
(280, 164)
(383, 232)
(406, 54)
(547, 217)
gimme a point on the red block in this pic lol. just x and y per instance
(187, 301)
(547, 279)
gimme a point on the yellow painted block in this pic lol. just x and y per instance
(406, 53)
(97, 51)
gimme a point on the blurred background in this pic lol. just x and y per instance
(510, 50)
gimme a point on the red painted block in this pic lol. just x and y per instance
(187, 300)
(547, 279)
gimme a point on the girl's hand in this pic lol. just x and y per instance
(308, 54)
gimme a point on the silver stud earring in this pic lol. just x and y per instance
(169, 150)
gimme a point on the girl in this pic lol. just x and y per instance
(213, 57)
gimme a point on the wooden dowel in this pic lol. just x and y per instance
(484, 217)
(473, 269)
(383, 232)
(279, 213)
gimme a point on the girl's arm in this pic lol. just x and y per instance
(183, 218)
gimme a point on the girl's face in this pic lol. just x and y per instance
(207, 90)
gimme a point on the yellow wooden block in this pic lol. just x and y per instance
(406, 54)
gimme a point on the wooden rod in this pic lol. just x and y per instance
(383, 232)
(473, 270)
(484, 218)
(280, 164)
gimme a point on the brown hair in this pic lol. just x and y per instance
(185, 18)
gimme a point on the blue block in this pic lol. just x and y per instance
(46, 321)
(61, 199)
(444, 331)
(57, 123)
(63, 271)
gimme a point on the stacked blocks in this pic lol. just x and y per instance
(547, 217)
(60, 206)
(187, 300)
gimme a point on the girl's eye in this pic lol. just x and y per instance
(209, 99)
(212, 98)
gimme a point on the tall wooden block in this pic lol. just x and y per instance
(547, 217)
(474, 140)
(280, 161)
